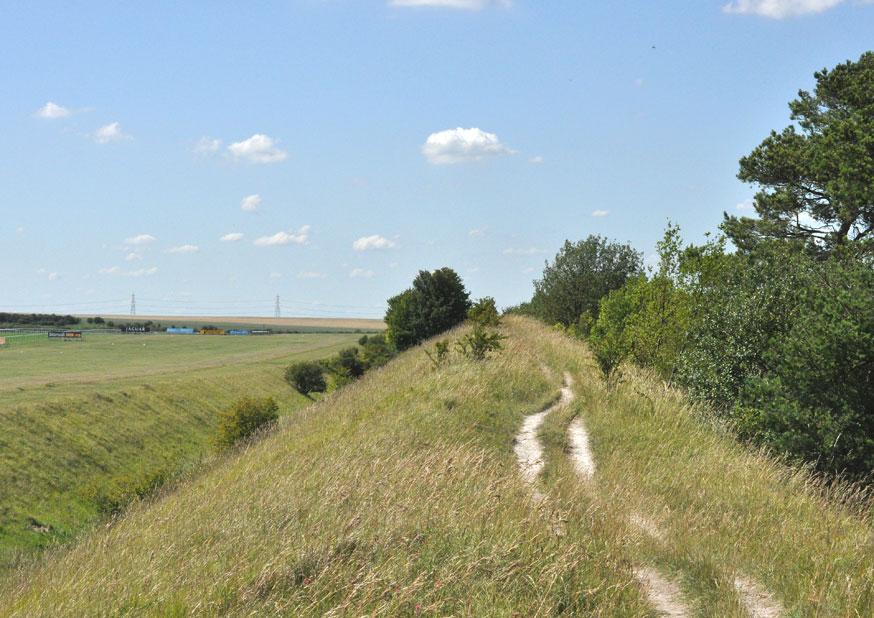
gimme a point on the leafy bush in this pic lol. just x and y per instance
(306, 377)
(440, 355)
(113, 496)
(376, 351)
(484, 312)
(243, 419)
(476, 344)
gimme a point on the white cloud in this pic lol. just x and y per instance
(537, 159)
(232, 237)
(110, 133)
(53, 276)
(478, 233)
(275, 275)
(184, 249)
(780, 9)
(528, 271)
(258, 149)
(376, 241)
(19, 229)
(142, 239)
(143, 272)
(600, 213)
(250, 203)
(113, 270)
(461, 145)
(132, 256)
(301, 237)
(51, 111)
(207, 145)
(530, 251)
(472, 5)
(360, 273)
(747, 204)
(638, 81)
(311, 275)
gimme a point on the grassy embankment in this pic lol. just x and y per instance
(400, 495)
(82, 412)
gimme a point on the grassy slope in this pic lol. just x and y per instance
(400, 496)
(119, 408)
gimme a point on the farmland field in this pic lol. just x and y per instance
(74, 413)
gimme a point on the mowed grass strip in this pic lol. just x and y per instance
(692, 502)
(397, 496)
(164, 415)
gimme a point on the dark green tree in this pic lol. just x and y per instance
(436, 302)
(306, 377)
(817, 180)
(581, 275)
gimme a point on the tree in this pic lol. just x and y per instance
(245, 417)
(817, 183)
(582, 274)
(306, 377)
(484, 312)
(436, 302)
(347, 364)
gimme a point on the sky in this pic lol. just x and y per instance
(209, 156)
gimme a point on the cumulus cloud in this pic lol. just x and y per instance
(301, 237)
(53, 276)
(461, 145)
(142, 239)
(184, 249)
(360, 273)
(366, 243)
(250, 203)
(110, 133)
(529, 251)
(132, 256)
(780, 9)
(51, 111)
(471, 5)
(207, 145)
(747, 204)
(311, 275)
(258, 149)
(232, 237)
(600, 213)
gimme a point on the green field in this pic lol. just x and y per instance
(77, 412)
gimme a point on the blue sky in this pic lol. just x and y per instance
(209, 156)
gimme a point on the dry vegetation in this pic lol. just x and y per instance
(400, 496)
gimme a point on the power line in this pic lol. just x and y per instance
(133, 304)
(278, 312)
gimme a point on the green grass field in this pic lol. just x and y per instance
(400, 496)
(80, 412)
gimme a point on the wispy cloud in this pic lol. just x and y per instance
(207, 145)
(184, 249)
(529, 251)
(780, 9)
(478, 233)
(462, 145)
(142, 239)
(600, 213)
(471, 5)
(132, 256)
(142, 272)
(258, 149)
(232, 237)
(301, 237)
(250, 203)
(275, 275)
(110, 133)
(376, 241)
(50, 111)
(311, 275)
(537, 159)
(360, 273)
(747, 204)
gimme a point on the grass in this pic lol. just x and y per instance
(400, 496)
(118, 408)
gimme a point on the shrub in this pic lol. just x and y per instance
(113, 496)
(243, 419)
(440, 355)
(306, 377)
(476, 344)
(484, 312)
